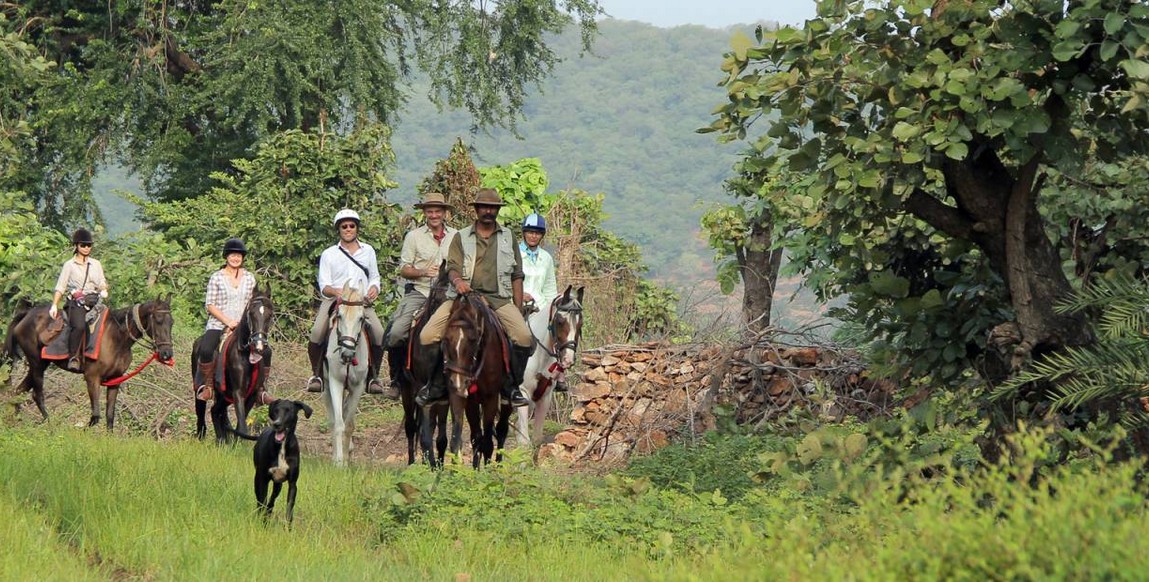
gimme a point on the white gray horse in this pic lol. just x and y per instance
(557, 329)
(345, 370)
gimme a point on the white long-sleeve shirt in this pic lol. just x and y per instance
(539, 275)
(335, 268)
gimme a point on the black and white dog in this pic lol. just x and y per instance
(276, 454)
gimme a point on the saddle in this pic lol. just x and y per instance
(57, 347)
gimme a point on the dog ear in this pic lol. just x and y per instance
(305, 408)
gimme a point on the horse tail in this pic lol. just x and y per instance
(11, 348)
(242, 435)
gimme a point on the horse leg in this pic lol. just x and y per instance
(350, 408)
(219, 420)
(440, 420)
(200, 418)
(458, 412)
(334, 402)
(411, 418)
(502, 427)
(93, 399)
(240, 410)
(539, 414)
(34, 381)
(475, 424)
(522, 428)
(110, 405)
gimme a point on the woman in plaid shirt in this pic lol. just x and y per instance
(228, 292)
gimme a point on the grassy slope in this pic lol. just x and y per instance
(80, 504)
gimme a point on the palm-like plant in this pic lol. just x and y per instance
(1113, 369)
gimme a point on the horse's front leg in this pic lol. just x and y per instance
(93, 382)
(502, 427)
(458, 413)
(34, 381)
(539, 415)
(110, 406)
(240, 411)
(334, 402)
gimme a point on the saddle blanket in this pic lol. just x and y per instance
(57, 349)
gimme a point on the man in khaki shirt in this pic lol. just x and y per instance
(484, 257)
(424, 249)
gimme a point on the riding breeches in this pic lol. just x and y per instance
(509, 316)
(404, 314)
(323, 320)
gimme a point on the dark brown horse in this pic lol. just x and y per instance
(244, 360)
(475, 362)
(150, 321)
(421, 421)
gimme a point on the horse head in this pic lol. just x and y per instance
(462, 342)
(155, 318)
(349, 322)
(257, 319)
(566, 326)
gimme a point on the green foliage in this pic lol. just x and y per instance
(896, 133)
(456, 178)
(281, 204)
(1109, 371)
(523, 186)
(182, 90)
(726, 230)
(21, 71)
(30, 254)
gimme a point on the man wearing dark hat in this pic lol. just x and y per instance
(483, 257)
(424, 249)
(82, 282)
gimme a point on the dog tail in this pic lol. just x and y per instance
(243, 435)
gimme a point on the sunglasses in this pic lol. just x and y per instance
(348, 226)
(84, 245)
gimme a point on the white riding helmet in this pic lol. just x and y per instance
(345, 214)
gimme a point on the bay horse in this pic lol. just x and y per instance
(150, 321)
(345, 369)
(409, 359)
(476, 365)
(243, 362)
(557, 330)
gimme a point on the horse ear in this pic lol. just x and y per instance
(567, 293)
(579, 293)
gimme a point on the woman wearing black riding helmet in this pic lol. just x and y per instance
(228, 292)
(82, 282)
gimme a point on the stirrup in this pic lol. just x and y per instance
(203, 393)
(74, 364)
(315, 384)
(375, 387)
(266, 398)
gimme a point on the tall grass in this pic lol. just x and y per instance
(81, 504)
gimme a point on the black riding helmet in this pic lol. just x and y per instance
(234, 245)
(81, 236)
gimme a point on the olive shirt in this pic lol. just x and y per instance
(485, 278)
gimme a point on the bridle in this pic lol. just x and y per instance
(256, 337)
(572, 309)
(348, 344)
(148, 330)
(478, 355)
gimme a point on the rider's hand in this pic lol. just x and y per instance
(462, 287)
(431, 272)
(528, 298)
(53, 312)
(372, 293)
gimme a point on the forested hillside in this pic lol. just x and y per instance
(620, 121)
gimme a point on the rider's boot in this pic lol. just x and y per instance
(315, 356)
(436, 386)
(519, 357)
(75, 342)
(374, 386)
(206, 389)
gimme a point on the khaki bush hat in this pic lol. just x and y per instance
(434, 199)
(487, 197)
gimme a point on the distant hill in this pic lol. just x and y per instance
(619, 121)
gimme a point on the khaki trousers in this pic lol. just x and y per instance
(509, 316)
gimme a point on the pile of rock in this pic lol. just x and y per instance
(638, 398)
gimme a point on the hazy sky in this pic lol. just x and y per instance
(712, 13)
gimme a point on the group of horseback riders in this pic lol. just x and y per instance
(484, 258)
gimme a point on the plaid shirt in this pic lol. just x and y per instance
(230, 300)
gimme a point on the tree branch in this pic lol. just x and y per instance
(941, 216)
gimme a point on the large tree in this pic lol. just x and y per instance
(176, 90)
(926, 132)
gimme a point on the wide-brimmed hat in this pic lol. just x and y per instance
(434, 199)
(487, 197)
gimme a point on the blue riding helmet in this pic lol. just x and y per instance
(534, 221)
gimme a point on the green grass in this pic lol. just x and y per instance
(82, 504)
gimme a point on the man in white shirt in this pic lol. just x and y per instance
(353, 262)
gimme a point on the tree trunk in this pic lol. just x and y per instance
(758, 264)
(997, 211)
